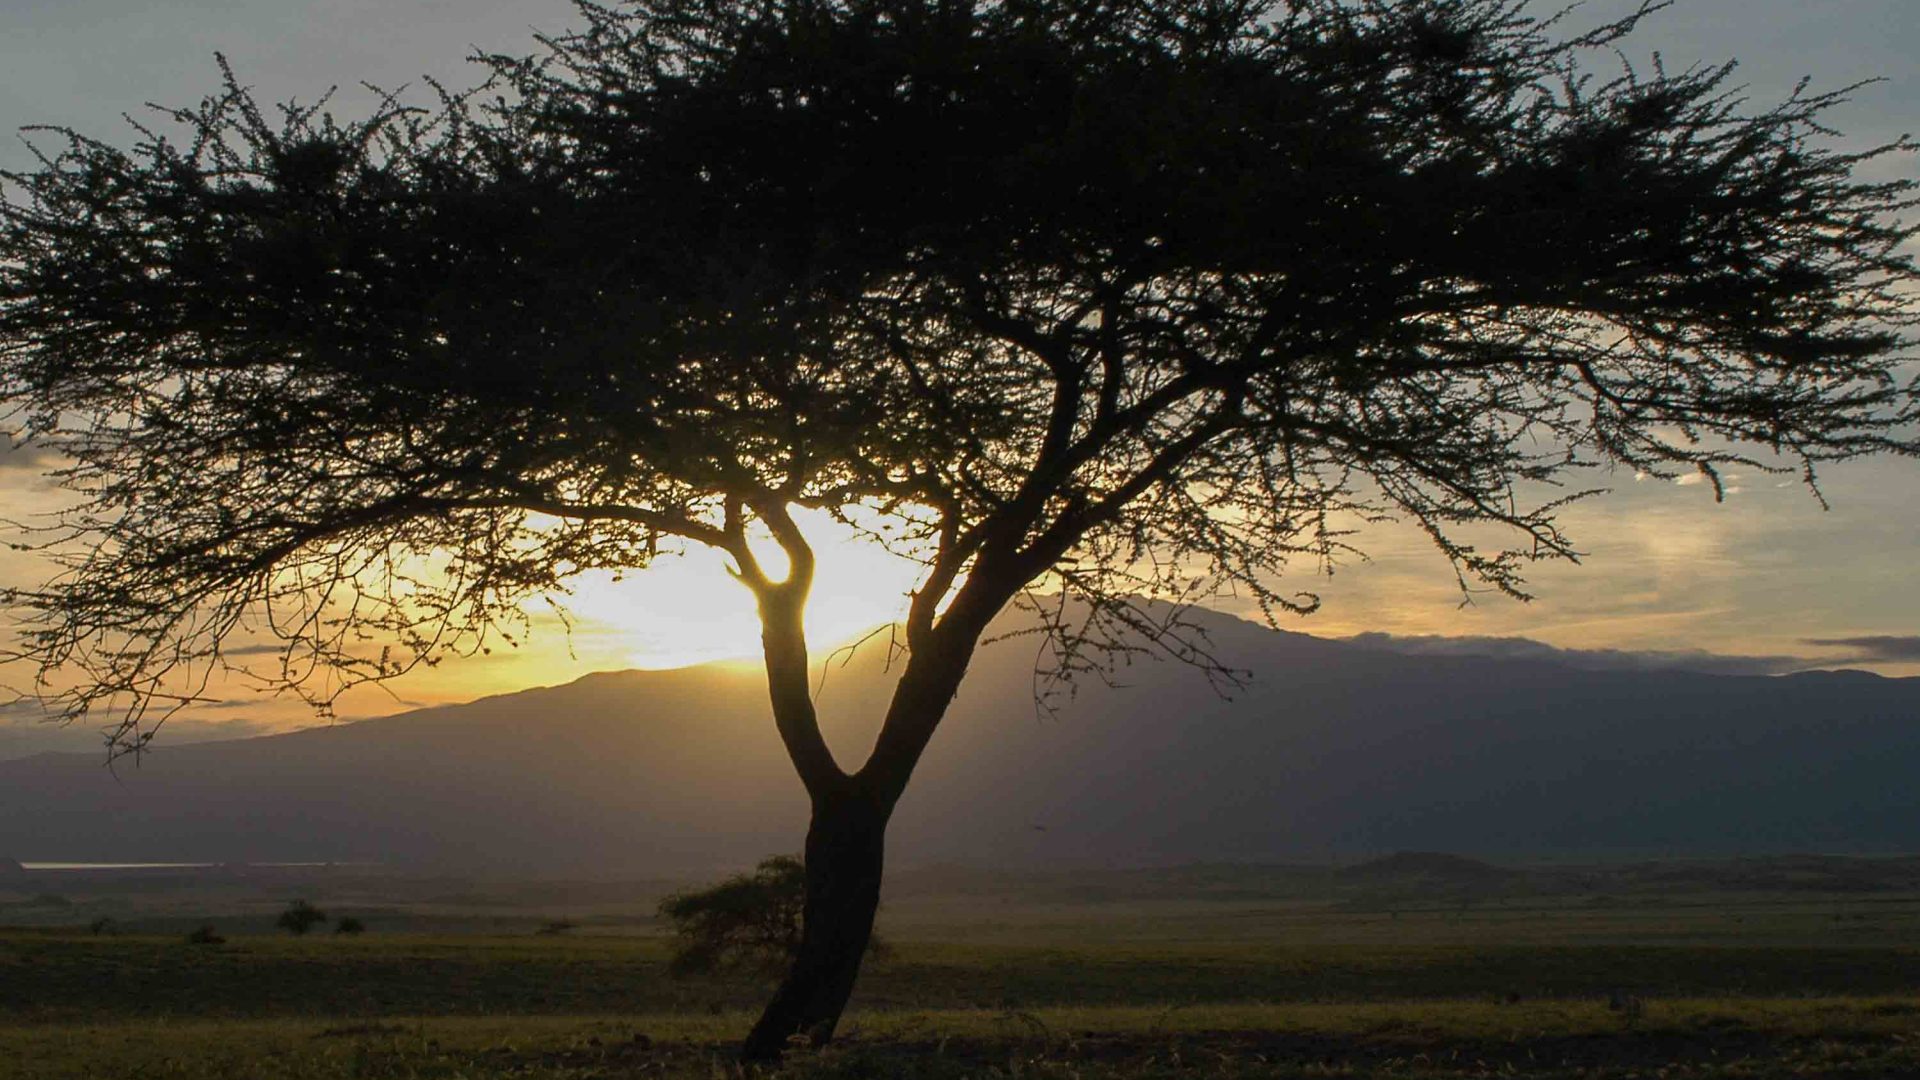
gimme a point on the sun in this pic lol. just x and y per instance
(683, 610)
(686, 609)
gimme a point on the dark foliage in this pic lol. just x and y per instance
(750, 920)
(347, 924)
(300, 917)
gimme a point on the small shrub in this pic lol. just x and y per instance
(205, 935)
(103, 925)
(557, 926)
(750, 920)
(300, 917)
(347, 924)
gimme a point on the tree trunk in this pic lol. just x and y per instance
(846, 843)
(846, 839)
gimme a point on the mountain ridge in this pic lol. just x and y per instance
(1333, 746)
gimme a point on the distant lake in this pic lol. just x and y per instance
(116, 865)
(172, 865)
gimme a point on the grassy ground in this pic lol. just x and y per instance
(53, 977)
(1008, 983)
(74, 1005)
(1687, 1037)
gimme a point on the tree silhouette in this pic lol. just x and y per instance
(300, 917)
(1074, 301)
(753, 917)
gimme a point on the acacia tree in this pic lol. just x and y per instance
(1074, 301)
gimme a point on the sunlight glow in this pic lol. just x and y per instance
(685, 609)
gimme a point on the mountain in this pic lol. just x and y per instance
(1333, 747)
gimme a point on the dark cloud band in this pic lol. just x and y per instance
(1519, 648)
(15, 454)
(1878, 647)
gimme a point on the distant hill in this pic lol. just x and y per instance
(1334, 748)
(1418, 866)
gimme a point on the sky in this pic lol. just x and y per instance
(1767, 573)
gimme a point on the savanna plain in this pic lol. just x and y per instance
(1403, 966)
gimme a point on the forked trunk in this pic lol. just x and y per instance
(845, 846)
(846, 839)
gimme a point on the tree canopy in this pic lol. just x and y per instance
(1116, 297)
(1124, 292)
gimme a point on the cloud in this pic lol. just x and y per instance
(29, 738)
(28, 712)
(1883, 648)
(231, 703)
(16, 455)
(1519, 648)
(268, 649)
(19, 710)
